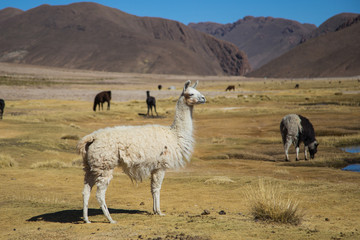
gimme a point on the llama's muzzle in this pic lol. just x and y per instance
(201, 99)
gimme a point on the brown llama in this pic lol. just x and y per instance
(230, 87)
(102, 97)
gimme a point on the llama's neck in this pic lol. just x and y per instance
(183, 126)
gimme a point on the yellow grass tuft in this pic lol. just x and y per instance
(219, 180)
(50, 164)
(7, 161)
(281, 171)
(269, 204)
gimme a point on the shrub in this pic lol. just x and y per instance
(269, 204)
(7, 161)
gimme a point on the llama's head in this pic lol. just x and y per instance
(191, 95)
(313, 148)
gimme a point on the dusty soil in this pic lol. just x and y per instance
(237, 143)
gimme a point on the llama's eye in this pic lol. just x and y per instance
(191, 94)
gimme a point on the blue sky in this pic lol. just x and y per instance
(221, 11)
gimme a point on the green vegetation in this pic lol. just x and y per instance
(238, 142)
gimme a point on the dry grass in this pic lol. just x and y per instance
(269, 203)
(237, 141)
(7, 161)
(219, 180)
(50, 164)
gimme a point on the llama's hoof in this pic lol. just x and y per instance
(160, 213)
(113, 222)
(87, 221)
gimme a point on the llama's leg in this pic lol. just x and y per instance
(297, 148)
(100, 195)
(157, 178)
(102, 106)
(155, 110)
(286, 148)
(148, 110)
(108, 108)
(297, 152)
(305, 152)
(86, 196)
(89, 183)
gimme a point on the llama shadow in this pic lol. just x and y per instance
(144, 115)
(75, 216)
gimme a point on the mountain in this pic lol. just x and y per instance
(334, 54)
(96, 37)
(333, 24)
(7, 13)
(261, 38)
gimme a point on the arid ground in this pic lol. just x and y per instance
(238, 144)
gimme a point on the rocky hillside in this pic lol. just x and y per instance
(92, 36)
(261, 38)
(332, 54)
(333, 24)
(8, 13)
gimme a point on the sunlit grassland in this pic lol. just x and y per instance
(237, 143)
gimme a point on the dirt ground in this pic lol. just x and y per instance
(237, 144)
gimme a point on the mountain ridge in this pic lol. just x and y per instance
(95, 37)
(335, 54)
(261, 38)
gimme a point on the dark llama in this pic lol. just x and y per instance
(230, 87)
(2, 106)
(296, 129)
(100, 98)
(151, 102)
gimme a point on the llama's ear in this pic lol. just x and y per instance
(195, 84)
(186, 85)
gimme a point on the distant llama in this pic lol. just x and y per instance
(141, 151)
(296, 129)
(151, 103)
(230, 87)
(100, 98)
(2, 106)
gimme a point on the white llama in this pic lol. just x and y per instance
(140, 151)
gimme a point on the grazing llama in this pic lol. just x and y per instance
(2, 106)
(296, 129)
(230, 87)
(151, 102)
(102, 97)
(141, 151)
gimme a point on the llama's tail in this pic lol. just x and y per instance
(83, 145)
